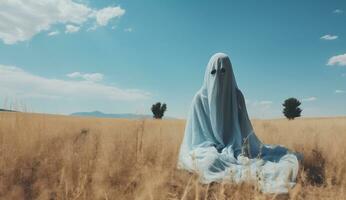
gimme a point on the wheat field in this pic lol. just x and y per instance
(50, 157)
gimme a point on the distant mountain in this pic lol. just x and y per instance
(4, 110)
(107, 115)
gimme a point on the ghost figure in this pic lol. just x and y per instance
(219, 142)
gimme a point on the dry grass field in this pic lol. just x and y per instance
(51, 157)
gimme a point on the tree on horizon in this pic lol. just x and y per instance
(291, 108)
(158, 110)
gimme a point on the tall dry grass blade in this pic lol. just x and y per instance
(196, 190)
(207, 192)
(186, 189)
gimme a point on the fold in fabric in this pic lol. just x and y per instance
(219, 142)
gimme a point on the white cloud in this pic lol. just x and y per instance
(263, 105)
(265, 102)
(71, 28)
(92, 28)
(19, 83)
(261, 109)
(329, 37)
(338, 11)
(309, 99)
(104, 15)
(20, 20)
(94, 77)
(128, 29)
(53, 33)
(339, 91)
(339, 60)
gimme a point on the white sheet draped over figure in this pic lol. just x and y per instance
(219, 142)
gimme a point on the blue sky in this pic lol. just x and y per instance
(122, 56)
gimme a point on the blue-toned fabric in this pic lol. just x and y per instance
(219, 142)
